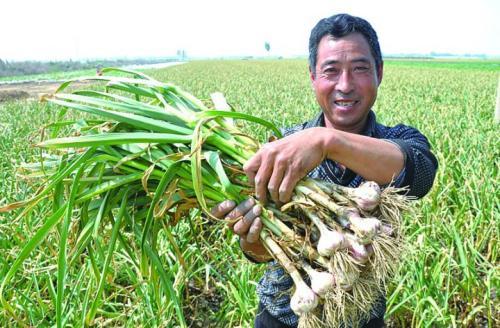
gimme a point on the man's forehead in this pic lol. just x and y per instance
(353, 45)
(353, 37)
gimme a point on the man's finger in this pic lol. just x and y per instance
(254, 231)
(221, 209)
(275, 181)
(251, 167)
(241, 227)
(240, 211)
(287, 186)
(262, 180)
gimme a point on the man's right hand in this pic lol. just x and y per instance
(244, 221)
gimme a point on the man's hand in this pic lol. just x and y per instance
(244, 221)
(279, 165)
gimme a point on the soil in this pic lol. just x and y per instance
(28, 90)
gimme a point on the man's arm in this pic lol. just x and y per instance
(374, 159)
(278, 166)
(420, 163)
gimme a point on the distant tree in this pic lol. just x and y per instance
(3, 68)
(267, 46)
(181, 54)
(98, 70)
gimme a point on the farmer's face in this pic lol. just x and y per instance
(346, 81)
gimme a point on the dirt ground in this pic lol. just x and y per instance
(28, 90)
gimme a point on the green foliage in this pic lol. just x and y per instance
(449, 277)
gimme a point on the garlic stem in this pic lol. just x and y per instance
(304, 299)
(297, 242)
(366, 196)
(365, 228)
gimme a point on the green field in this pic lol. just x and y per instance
(449, 277)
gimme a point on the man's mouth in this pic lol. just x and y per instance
(345, 103)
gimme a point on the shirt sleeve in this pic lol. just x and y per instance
(420, 163)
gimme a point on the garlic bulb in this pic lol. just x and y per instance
(330, 240)
(304, 300)
(358, 251)
(366, 196)
(321, 281)
(365, 228)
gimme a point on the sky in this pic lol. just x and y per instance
(96, 29)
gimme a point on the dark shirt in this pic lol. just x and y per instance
(418, 173)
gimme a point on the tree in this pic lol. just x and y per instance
(3, 68)
(181, 54)
(267, 46)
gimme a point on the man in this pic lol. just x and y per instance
(343, 144)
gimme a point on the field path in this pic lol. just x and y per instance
(29, 90)
(11, 91)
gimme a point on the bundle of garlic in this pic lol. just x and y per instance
(346, 242)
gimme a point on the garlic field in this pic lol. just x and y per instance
(450, 274)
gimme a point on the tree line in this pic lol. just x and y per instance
(19, 68)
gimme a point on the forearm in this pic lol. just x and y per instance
(374, 159)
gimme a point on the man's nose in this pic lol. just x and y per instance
(345, 82)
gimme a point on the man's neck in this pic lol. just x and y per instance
(357, 129)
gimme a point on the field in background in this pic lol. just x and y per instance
(48, 76)
(450, 275)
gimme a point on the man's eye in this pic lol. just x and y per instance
(361, 69)
(330, 70)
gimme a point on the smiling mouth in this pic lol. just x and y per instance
(343, 103)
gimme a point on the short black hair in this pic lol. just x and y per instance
(341, 25)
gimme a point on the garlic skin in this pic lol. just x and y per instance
(367, 195)
(304, 300)
(330, 241)
(359, 252)
(321, 281)
(365, 228)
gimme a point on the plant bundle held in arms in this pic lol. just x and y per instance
(153, 152)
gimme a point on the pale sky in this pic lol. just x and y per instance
(82, 29)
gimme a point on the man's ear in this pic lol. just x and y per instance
(380, 72)
(312, 75)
